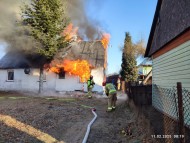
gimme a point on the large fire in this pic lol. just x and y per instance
(105, 40)
(70, 33)
(79, 68)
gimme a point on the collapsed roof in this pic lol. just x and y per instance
(92, 51)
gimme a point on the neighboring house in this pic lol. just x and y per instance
(144, 69)
(169, 48)
(18, 72)
(112, 79)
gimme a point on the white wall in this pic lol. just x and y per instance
(98, 76)
(30, 82)
(21, 81)
(70, 83)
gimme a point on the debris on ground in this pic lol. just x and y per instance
(65, 119)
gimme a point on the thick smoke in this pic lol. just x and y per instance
(88, 27)
(11, 30)
(17, 36)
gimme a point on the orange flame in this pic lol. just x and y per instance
(70, 32)
(79, 68)
(55, 69)
(105, 40)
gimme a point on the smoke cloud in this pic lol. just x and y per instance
(17, 36)
(11, 30)
(89, 29)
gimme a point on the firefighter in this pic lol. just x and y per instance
(112, 95)
(90, 85)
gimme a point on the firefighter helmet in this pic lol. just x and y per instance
(103, 83)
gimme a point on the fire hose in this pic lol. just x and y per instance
(92, 121)
(89, 125)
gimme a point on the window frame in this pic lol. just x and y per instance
(60, 74)
(8, 80)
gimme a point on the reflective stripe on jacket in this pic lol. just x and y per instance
(110, 88)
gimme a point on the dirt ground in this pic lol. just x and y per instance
(36, 119)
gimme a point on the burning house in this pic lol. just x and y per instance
(69, 70)
(70, 67)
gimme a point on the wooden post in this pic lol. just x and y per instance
(180, 111)
(123, 87)
(41, 80)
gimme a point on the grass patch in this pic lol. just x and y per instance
(85, 106)
(62, 99)
(17, 97)
(67, 99)
(51, 98)
(1, 98)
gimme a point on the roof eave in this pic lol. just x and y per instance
(153, 27)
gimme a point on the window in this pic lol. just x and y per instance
(62, 74)
(10, 75)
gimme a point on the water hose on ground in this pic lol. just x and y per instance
(92, 121)
(89, 125)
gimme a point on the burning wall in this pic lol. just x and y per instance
(80, 59)
(81, 56)
(84, 55)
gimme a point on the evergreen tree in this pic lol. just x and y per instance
(46, 20)
(128, 66)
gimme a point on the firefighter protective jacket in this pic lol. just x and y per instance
(110, 89)
(90, 83)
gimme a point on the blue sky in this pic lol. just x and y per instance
(120, 16)
(117, 17)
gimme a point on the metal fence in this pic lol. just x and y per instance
(186, 107)
(165, 100)
(173, 104)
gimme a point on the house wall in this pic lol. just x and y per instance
(144, 69)
(70, 83)
(21, 81)
(98, 76)
(168, 69)
(30, 82)
(173, 67)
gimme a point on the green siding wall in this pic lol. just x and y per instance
(173, 67)
(168, 69)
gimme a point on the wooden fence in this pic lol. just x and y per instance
(140, 94)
